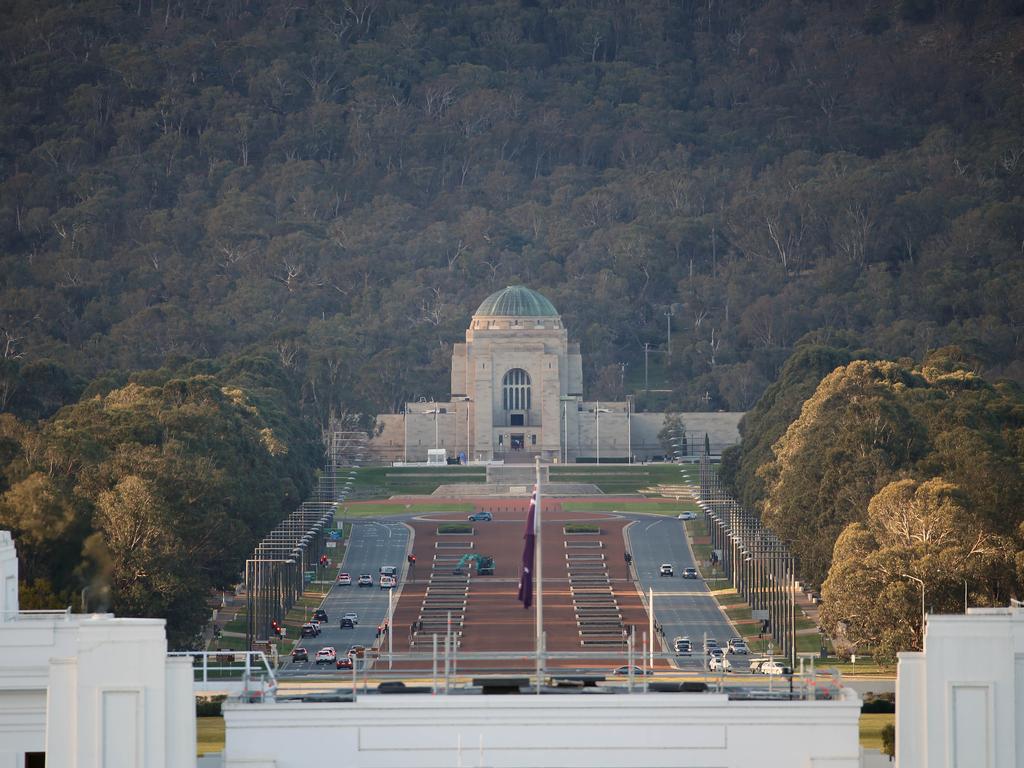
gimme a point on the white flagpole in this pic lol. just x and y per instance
(538, 572)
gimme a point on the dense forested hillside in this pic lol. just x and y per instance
(221, 222)
(340, 183)
(873, 469)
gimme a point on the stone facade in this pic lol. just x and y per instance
(517, 392)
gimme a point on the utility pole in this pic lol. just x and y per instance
(668, 332)
(647, 348)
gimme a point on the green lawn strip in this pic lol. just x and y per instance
(864, 666)
(356, 510)
(871, 729)
(237, 624)
(805, 623)
(580, 528)
(654, 507)
(209, 735)
(231, 643)
(383, 482)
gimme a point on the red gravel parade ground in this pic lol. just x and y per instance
(494, 619)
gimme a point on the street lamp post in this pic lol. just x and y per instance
(405, 440)
(921, 582)
(597, 415)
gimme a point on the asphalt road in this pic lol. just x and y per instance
(684, 607)
(372, 544)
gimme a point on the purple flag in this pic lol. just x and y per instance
(529, 538)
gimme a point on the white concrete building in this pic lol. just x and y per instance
(960, 701)
(558, 730)
(517, 392)
(89, 690)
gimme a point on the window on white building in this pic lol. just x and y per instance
(516, 390)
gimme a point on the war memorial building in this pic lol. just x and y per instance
(517, 392)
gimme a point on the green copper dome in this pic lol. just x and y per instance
(516, 301)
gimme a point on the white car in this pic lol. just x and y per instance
(774, 668)
(719, 664)
(687, 516)
(352, 616)
(344, 580)
(666, 569)
(387, 582)
(326, 655)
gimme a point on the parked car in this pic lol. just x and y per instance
(482, 516)
(320, 615)
(326, 655)
(344, 580)
(636, 671)
(387, 582)
(343, 662)
(719, 664)
(365, 580)
(687, 515)
(299, 654)
(666, 569)
(353, 616)
(690, 573)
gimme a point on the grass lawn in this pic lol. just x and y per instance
(383, 482)
(355, 509)
(654, 507)
(210, 735)
(871, 729)
(620, 478)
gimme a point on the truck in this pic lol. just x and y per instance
(484, 564)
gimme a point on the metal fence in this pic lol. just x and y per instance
(757, 561)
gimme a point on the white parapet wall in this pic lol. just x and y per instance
(960, 702)
(90, 690)
(567, 730)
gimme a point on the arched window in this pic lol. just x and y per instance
(516, 390)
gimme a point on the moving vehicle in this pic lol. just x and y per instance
(346, 623)
(666, 570)
(357, 651)
(316, 625)
(481, 516)
(308, 630)
(387, 582)
(299, 654)
(484, 564)
(344, 580)
(389, 570)
(343, 662)
(326, 655)
(320, 615)
(352, 616)
(756, 664)
(738, 646)
(683, 646)
(687, 516)
(365, 580)
(774, 668)
(636, 671)
(716, 653)
(719, 664)
(690, 573)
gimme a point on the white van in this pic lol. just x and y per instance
(389, 570)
